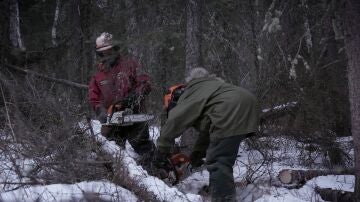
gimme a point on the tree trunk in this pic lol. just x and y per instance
(352, 46)
(4, 31)
(288, 176)
(87, 28)
(132, 28)
(328, 194)
(15, 34)
(193, 34)
(307, 34)
(255, 47)
(193, 58)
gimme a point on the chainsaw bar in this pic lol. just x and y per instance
(137, 118)
(119, 118)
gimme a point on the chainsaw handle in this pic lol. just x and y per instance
(111, 110)
(178, 162)
(179, 158)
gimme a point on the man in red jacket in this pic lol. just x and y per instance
(117, 79)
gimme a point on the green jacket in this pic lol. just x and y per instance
(216, 109)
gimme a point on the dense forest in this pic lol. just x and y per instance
(300, 58)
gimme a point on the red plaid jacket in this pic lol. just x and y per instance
(109, 85)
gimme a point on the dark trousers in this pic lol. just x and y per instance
(220, 159)
(137, 135)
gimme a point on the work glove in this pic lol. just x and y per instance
(161, 160)
(101, 114)
(196, 158)
(161, 164)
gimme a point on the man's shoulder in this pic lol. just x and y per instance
(201, 88)
(206, 83)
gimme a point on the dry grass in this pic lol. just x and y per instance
(43, 144)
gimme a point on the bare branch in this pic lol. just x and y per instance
(62, 81)
(7, 113)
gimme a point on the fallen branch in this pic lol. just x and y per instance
(279, 111)
(19, 183)
(288, 176)
(328, 194)
(62, 81)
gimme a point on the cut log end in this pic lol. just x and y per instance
(285, 177)
(288, 176)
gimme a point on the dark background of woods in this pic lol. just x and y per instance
(240, 41)
(237, 44)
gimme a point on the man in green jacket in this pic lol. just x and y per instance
(224, 115)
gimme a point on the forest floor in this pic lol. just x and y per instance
(255, 177)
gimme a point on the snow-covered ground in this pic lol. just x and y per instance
(251, 166)
(92, 191)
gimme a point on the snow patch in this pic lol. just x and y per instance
(250, 165)
(151, 183)
(97, 190)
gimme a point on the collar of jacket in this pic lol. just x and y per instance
(199, 80)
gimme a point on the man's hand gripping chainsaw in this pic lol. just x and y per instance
(117, 115)
(181, 168)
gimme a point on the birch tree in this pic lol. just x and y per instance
(55, 23)
(352, 46)
(14, 32)
(307, 35)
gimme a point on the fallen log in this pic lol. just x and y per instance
(289, 176)
(62, 81)
(150, 184)
(328, 194)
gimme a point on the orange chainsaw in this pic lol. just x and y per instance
(180, 168)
